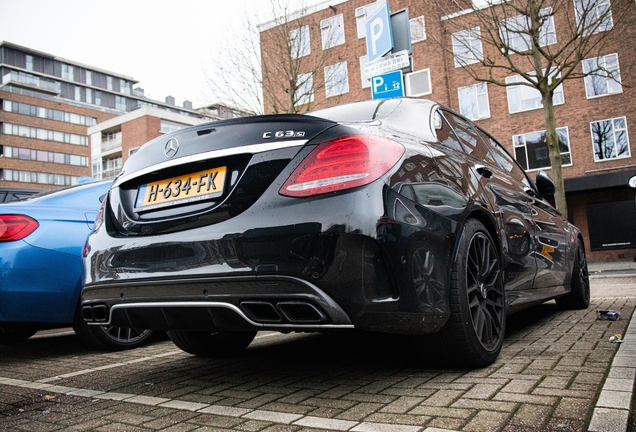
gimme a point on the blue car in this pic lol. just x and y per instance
(41, 243)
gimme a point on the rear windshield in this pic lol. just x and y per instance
(358, 112)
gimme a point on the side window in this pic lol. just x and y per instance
(463, 130)
(504, 160)
(473, 143)
(445, 133)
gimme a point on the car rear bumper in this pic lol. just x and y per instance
(217, 303)
(264, 302)
(326, 267)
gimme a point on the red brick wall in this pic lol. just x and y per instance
(137, 132)
(52, 146)
(576, 113)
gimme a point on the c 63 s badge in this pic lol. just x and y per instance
(284, 134)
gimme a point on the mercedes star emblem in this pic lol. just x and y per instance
(171, 148)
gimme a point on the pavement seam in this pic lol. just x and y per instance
(110, 366)
(225, 411)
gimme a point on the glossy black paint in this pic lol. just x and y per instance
(376, 257)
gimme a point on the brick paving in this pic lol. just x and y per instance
(557, 372)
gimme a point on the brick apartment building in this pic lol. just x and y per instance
(60, 119)
(599, 201)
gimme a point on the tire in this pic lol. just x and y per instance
(579, 296)
(212, 344)
(109, 338)
(16, 335)
(474, 333)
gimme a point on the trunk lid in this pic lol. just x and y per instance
(206, 173)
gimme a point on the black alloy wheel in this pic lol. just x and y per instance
(109, 338)
(474, 333)
(579, 296)
(127, 336)
(485, 292)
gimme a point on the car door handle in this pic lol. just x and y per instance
(483, 171)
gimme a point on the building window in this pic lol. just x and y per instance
(98, 97)
(336, 79)
(124, 87)
(169, 127)
(305, 89)
(43, 134)
(473, 101)
(89, 96)
(593, 16)
(78, 93)
(42, 178)
(603, 76)
(89, 77)
(531, 149)
(299, 42)
(525, 98)
(68, 72)
(120, 103)
(467, 47)
(515, 31)
(44, 156)
(111, 167)
(48, 113)
(362, 14)
(109, 82)
(332, 31)
(418, 29)
(418, 83)
(29, 62)
(609, 139)
(366, 80)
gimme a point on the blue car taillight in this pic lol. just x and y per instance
(99, 220)
(16, 227)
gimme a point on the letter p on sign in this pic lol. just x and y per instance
(378, 82)
(376, 26)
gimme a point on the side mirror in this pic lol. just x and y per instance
(632, 181)
(544, 183)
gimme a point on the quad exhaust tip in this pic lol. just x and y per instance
(294, 312)
(96, 313)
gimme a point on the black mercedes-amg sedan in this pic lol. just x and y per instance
(395, 216)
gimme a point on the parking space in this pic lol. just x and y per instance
(548, 377)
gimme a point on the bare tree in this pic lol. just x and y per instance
(503, 37)
(269, 67)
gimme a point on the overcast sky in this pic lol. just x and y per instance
(163, 44)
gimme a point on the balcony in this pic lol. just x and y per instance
(111, 144)
(22, 79)
(110, 173)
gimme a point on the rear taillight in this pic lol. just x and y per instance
(16, 227)
(343, 163)
(99, 220)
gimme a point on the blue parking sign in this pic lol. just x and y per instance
(379, 33)
(387, 86)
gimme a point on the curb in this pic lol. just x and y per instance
(612, 410)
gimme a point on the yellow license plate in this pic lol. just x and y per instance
(199, 186)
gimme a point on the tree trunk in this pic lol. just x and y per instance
(554, 152)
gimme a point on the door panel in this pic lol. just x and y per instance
(508, 201)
